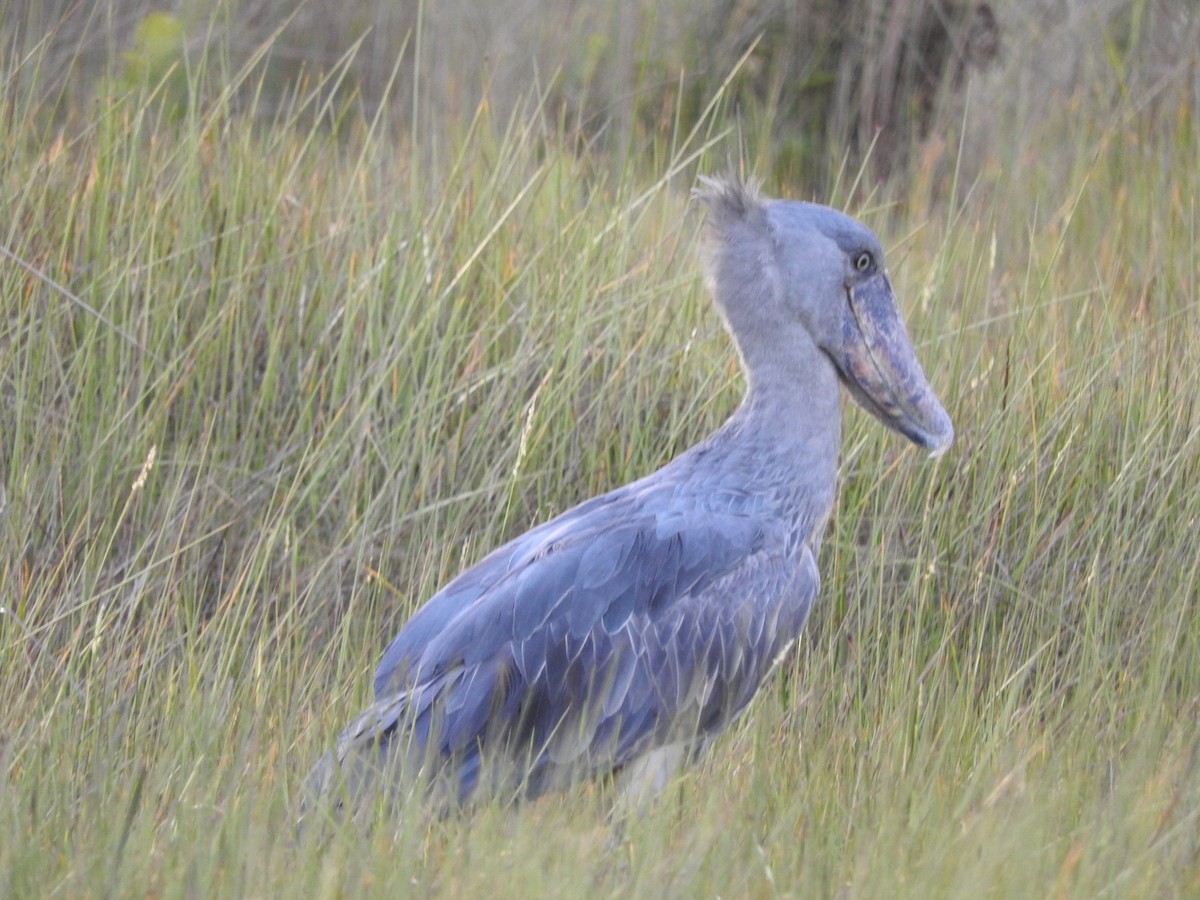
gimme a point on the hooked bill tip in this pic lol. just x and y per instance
(937, 439)
(942, 445)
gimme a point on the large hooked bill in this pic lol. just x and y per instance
(879, 367)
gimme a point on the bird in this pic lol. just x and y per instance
(621, 637)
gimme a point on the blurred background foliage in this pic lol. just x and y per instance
(820, 85)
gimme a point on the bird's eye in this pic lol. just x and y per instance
(864, 262)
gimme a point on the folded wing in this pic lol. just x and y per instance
(620, 627)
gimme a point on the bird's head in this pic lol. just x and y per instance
(784, 271)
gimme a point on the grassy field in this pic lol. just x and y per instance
(268, 378)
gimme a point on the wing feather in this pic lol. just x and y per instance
(627, 623)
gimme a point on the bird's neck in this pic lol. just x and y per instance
(792, 402)
(788, 430)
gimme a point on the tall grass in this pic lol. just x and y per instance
(265, 386)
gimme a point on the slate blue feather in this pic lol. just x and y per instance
(628, 632)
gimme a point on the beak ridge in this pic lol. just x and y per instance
(879, 366)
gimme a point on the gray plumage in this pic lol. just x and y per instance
(629, 631)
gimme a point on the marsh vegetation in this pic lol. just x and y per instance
(279, 355)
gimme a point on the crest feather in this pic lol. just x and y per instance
(730, 200)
